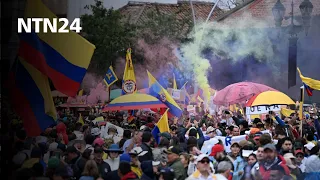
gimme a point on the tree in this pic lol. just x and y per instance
(108, 33)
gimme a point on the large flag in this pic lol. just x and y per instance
(63, 57)
(174, 82)
(31, 98)
(312, 83)
(156, 90)
(129, 79)
(161, 126)
(110, 77)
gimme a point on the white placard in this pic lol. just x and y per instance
(176, 94)
(262, 109)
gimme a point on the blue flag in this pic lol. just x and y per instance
(110, 77)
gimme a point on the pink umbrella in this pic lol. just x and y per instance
(239, 93)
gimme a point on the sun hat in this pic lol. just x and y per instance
(137, 151)
(114, 148)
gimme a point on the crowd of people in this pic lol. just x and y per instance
(76, 150)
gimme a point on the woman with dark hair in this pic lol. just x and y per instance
(185, 159)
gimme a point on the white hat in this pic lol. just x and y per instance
(209, 129)
(200, 157)
(53, 146)
(155, 163)
(246, 153)
(138, 151)
(95, 131)
(142, 127)
(309, 146)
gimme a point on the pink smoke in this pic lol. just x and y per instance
(157, 60)
(98, 93)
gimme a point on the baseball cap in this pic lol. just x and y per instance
(172, 150)
(155, 163)
(215, 149)
(166, 135)
(98, 141)
(309, 146)
(71, 149)
(298, 151)
(200, 157)
(138, 151)
(209, 129)
(235, 143)
(95, 131)
(269, 146)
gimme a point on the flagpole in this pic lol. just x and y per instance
(301, 108)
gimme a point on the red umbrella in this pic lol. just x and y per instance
(239, 93)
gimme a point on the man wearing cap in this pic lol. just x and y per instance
(219, 155)
(75, 160)
(238, 162)
(271, 159)
(175, 163)
(203, 171)
(295, 172)
(300, 160)
(103, 167)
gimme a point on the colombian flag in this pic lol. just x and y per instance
(308, 89)
(156, 90)
(129, 79)
(311, 84)
(162, 126)
(63, 57)
(111, 77)
(31, 98)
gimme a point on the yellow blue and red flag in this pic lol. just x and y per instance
(31, 98)
(187, 96)
(309, 83)
(110, 77)
(129, 79)
(161, 127)
(156, 90)
(62, 57)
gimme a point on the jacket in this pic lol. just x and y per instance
(148, 155)
(265, 173)
(130, 176)
(104, 169)
(177, 166)
(238, 165)
(147, 170)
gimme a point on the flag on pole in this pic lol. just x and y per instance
(174, 82)
(311, 83)
(156, 90)
(161, 126)
(110, 77)
(62, 57)
(129, 79)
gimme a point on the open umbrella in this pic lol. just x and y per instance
(134, 102)
(239, 93)
(270, 98)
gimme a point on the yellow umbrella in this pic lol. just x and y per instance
(270, 98)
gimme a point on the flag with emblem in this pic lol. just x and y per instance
(110, 77)
(156, 90)
(129, 78)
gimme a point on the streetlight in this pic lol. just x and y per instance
(278, 12)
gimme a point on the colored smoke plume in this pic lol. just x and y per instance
(98, 93)
(232, 41)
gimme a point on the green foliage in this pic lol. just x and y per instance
(111, 37)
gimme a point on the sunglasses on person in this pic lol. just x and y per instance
(203, 161)
(299, 156)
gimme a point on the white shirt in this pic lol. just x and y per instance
(114, 164)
